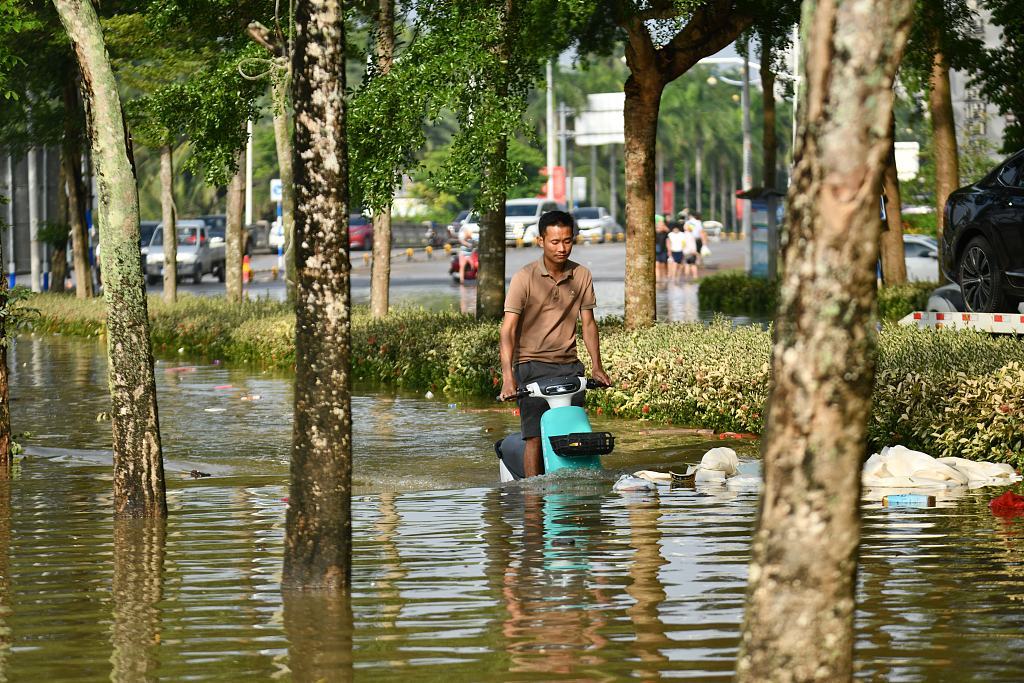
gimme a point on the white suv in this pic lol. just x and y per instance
(522, 216)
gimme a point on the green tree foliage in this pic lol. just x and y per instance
(998, 73)
(946, 25)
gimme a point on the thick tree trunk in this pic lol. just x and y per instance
(380, 277)
(944, 145)
(285, 154)
(894, 263)
(318, 537)
(800, 598)
(138, 557)
(235, 231)
(769, 144)
(640, 119)
(138, 462)
(71, 158)
(170, 224)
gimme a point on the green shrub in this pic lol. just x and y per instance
(737, 293)
(898, 301)
(944, 392)
(920, 223)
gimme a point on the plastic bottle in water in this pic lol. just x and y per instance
(908, 500)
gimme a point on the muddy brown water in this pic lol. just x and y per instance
(455, 578)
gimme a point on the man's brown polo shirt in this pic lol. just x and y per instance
(548, 310)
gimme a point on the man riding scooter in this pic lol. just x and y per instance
(538, 332)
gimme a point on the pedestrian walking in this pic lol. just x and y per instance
(676, 244)
(661, 232)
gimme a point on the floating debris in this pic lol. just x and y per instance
(103, 417)
(196, 474)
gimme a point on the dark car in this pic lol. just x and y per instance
(360, 232)
(256, 235)
(983, 240)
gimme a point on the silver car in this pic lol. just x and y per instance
(201, 250)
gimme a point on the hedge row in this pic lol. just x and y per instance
(737, 293)
(945, 392)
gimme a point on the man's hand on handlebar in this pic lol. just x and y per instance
(509, 390)
(602, 377)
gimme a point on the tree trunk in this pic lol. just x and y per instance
(59, 250)
(138, 462)
(490, 289)
(71, 158)
(769, 144)
(944, 146)
(686, 185)
(894, 263)
(170, 224)
(6, 456)
(800, 598)
(137, 589)
(640, 120)
(318, 536)
(713, 203)
(235, 231)
(285, 153)
(380, 276)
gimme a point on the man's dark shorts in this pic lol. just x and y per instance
(661, 255)
(530, 408)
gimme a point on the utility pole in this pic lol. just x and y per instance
(33, 219)
(748, 173)
(593, 175)
(563, 155)
(551, 129)
(613, 200)
(248, 174)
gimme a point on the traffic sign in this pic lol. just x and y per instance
(275, 190)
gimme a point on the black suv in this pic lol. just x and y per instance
(983, 240)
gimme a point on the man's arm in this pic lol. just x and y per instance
(593, 344)
(508, 348)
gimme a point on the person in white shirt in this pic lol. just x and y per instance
(676, 245)
(690, 252)
(697, 226)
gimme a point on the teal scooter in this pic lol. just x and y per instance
(567, 439)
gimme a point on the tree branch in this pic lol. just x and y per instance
(714, 25)
(261, 34)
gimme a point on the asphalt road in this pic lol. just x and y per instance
(425, 282)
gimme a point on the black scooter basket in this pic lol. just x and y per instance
(583, 444)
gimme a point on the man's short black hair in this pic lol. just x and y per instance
(556, 218)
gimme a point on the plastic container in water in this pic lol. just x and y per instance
(908, 500)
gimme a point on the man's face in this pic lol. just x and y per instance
(557, 243)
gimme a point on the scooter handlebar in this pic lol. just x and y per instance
(523, 393)
(594, 384)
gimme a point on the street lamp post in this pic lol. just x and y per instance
(748, 172)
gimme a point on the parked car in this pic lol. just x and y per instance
(983, 240)
(200, 250)
(522, 216)
(256, 235)
(595, 224)
(921, 253)
(360, 232)
(276, 237)
(146, 230)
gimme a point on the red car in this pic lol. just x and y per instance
(360, 232)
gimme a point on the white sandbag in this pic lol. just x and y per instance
(653, 476)
(901, 467)
(628, 482)
(721, 459)
(994, 472)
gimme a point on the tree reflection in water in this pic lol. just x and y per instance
(318, 626)
(646, 588)
(139, 549)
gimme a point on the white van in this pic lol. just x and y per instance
(522, 216)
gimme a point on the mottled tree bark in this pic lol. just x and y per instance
(380, 277)
(769, 143)
(944, 145)
(800, 597)
(71, 158)
(318, 537)
(894, 263)
(139, 550)
(138, 462)
(640, 119)
(235, 231)
(170, 224)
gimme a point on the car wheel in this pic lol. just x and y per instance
(152, 279)
(982, 284)
(197, 277)
(220, 271)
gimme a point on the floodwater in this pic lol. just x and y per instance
(455, 578)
